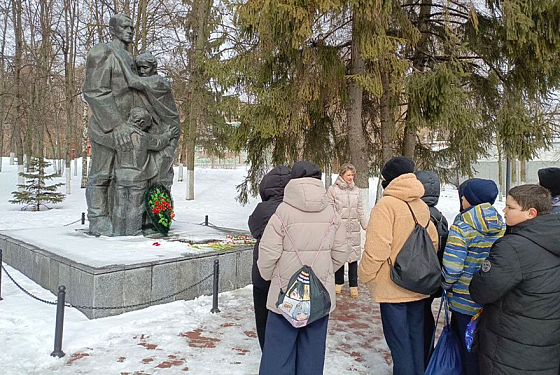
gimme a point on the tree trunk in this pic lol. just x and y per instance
(142, 27)
(69, 21)
(514, 177)
(17, 123)
(195, 116)
(500, 171)
(419, 62)
(409, 144)
(386, 115)
(2, 99)
(357, 144)
(85, 124)
(356, 138)
(328, 175)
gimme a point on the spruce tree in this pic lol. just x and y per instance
(460, 73)
(35, 193)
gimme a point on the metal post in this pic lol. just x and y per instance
(206, 220)
(0, 274)
(215, 308)
(57, 352)
(83, 218)
(508, 175)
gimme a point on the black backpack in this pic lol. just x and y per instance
(417, 266)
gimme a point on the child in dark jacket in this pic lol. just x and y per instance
(472, 234)
(271, 190)
(519, 286)
(430, 180)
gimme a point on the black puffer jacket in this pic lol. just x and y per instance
(271, 190)
(432, 190)
(519, 285)
(430, 180)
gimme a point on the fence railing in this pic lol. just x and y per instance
(61, 302)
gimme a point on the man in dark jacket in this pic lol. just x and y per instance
(549, 178)
(430, 180)
(519, 285)
(271, 190)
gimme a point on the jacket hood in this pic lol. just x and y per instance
(430, 180)
(543, 230)
(274, 182)
(406, 187)
(306, 168)
(343, 184)
(484, 218)
(306, 194)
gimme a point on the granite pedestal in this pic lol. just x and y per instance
(127, 284)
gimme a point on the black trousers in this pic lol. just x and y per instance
(470, 360)
(352, 275)
(261, 312)
(429, 327)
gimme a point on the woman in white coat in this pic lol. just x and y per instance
(346, 198)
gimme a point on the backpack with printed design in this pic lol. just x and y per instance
(305, 298)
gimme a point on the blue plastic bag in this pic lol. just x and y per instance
(446, 358)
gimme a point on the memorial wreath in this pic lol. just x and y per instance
(159, 207)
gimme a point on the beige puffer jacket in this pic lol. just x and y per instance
(307, 215)
(348, 203)
(390, 225)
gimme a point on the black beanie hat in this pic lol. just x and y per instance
(549, 178)
(478, 191)
(395, 167)
(306, 169)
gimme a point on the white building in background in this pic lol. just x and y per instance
(488, 167)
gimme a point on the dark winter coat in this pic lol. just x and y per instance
(271, 190)
(432, 190)
(430, 180)
(556, 204)
(519, 285)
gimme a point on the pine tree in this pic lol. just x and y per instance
(35, 192)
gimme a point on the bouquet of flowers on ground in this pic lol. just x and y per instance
(240, 239)
(159, 207)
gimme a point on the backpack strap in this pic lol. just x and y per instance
(414, 216)
(294, 245)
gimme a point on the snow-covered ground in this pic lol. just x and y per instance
(178, 337)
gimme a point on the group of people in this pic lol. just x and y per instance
(507, 267)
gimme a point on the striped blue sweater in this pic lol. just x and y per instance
(470, 238)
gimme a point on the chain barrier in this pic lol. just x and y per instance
(67, 304)
(74, 222)
(25, 291)
(137, 304)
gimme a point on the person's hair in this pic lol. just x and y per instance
(118, 16)
(147, 57)
(532, 196)
(345, 168)
(140, 113)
